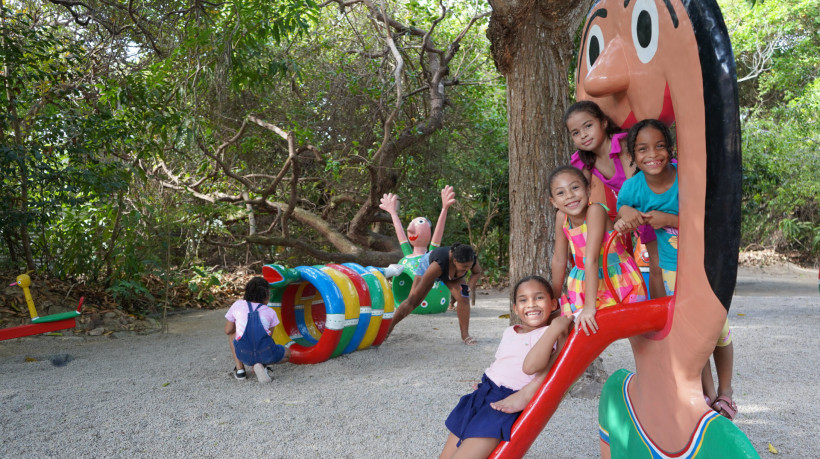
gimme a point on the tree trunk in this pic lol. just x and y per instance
(532, 45)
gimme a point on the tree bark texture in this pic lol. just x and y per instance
(532, 45)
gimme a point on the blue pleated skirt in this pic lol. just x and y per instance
(473, 417)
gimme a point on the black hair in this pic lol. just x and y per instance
(588, 157)
(257, 290)
(538, 279)
(462, 253)
(560, 170)
(652, 123)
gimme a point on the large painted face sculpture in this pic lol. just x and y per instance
(672, 60)
(669, 60)
(624, 62)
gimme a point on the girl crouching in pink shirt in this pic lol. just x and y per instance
(476, 428)
(249, 323)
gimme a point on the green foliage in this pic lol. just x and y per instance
(49, 139)
(202, 283)
(803, 233)
(775, 45)
(82, 108)
(130, 293)
(94, 112)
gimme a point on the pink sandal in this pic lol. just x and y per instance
(726, 407)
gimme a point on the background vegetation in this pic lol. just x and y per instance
(147, 150)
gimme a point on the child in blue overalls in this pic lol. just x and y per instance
(249, 324)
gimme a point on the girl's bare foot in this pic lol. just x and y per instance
(512, 404)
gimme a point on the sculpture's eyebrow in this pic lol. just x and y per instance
(671, 10)
(598, 13)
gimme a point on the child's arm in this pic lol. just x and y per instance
(596, 219)
(558, 265)
(541, 356)
(476, 273)
(519, 400)
(390, 203)
(448, 198)
(658, 219)
(628, 219)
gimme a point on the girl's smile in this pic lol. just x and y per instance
(651, 151)
(569, 194)
(533, 305)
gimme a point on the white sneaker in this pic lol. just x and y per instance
(393, 270)
(261, 373)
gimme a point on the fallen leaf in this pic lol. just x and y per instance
(741, 314)
(504, 316)
(54, 334)
(30, 359)
(166, 384)
(772, 449)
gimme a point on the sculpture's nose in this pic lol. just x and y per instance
(610, 72)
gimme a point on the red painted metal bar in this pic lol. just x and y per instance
(36, 329)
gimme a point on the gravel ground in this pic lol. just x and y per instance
(172, 395)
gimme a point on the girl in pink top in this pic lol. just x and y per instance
(476, 427)
(251, 316)
(602, 152)
(600, 143)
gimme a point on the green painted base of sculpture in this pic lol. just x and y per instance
(435, 302)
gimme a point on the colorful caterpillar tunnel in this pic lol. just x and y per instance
(326, 311)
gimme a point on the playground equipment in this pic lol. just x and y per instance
(45, 324)
(670, 61)
(416, 245)
(438, 300)
(327, 311)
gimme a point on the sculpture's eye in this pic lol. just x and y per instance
(645, 29)
(594, 45)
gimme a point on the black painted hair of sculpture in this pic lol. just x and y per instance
(462, 253)
(652, 123)
(257, 290)
(560, 170)
(588, 157)
(538, 279)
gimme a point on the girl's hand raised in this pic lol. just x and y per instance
(586, 321)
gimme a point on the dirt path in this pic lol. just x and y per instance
(776, 280)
